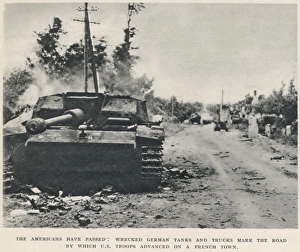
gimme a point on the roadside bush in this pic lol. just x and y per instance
(172, 119)
(172, 128)
(7, 114)
(289, 140)
(14, 85)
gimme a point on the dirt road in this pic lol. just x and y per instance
(213, 180)
(247, 188)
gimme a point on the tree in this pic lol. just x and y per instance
(74, 58)
(290, 106)
(123, 60)
(279, 102)
(66, 62)
(274, 102)
(49, 47)
(259, 107)
(14, 85)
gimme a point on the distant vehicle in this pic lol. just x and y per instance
(264, 120)
(195, 118)
(206, 118)
(236, 118)
(220, 126)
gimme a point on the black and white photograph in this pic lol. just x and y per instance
(147, 117)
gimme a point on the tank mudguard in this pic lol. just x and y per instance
(153, 132)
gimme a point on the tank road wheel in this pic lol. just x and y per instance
(151, 170)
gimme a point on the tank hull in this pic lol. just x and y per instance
(60, 160)
(65, 150)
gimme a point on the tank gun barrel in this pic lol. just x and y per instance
(39, 125)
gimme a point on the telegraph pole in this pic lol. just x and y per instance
(88, 48)
(221, 106)
(86, 27)
(172, 105)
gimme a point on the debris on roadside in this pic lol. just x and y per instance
(100, 200)
(254, 178)
(44, 209)
(222, 154)
(184, 174)
(158, 216)
(82, 219)
(112, 197)
(180, 173)
(18, 212)
(293, 163)
(224, 221)
(33, 204)
(290, 174)
(35, 190)
(129, 224)
(277, 158)
(245, 139)
(43, 203)
(19, 196)
(108, 190)
(74, 199)
(88, 205)
(174, 171)
(32, 197)
(203, 187)
(33, 211)
(185, 181)
(60, 193)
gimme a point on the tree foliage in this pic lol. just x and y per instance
(116, 72)
(48, 52)
(116, 75)
(124, 59)
(181, 110)
(14, 85)
(279, 102)
(65, 62)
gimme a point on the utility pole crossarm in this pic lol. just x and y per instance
(91, 22)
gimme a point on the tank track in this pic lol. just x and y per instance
(8, 176)
(152, 163)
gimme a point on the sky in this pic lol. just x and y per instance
(192, 50)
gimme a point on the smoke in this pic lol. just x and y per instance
(44, 85)
(124, 84)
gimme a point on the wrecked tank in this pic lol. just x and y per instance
(79, 142)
